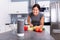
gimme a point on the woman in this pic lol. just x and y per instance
(37, 19)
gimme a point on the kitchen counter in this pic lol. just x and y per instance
(29, 35)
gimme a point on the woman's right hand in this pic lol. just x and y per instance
(31, 25)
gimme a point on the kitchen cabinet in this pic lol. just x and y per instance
(18, 0)
(18, 7)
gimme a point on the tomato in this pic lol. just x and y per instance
(37, 29)
(25, 28)
(40, 30)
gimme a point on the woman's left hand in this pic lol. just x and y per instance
(37, 27)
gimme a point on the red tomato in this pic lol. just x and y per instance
(40, 30)
(37, 30)
(25, 28)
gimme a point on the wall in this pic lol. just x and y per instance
(4, 17)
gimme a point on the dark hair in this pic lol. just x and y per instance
(36, 5)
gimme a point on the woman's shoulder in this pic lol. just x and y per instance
(41, 14)
(30, 14)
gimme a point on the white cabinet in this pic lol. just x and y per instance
(18, 7)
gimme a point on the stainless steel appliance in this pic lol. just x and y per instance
(55, 19)
(20, 27)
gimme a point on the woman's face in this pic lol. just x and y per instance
(35, 11)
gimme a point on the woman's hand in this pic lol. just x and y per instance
(37, 27)
(28, 20)
(31, 25)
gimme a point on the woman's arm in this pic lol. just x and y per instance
(42, 22)
(28, 20)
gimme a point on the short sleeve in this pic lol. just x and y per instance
(30, 14)
(41, 15)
